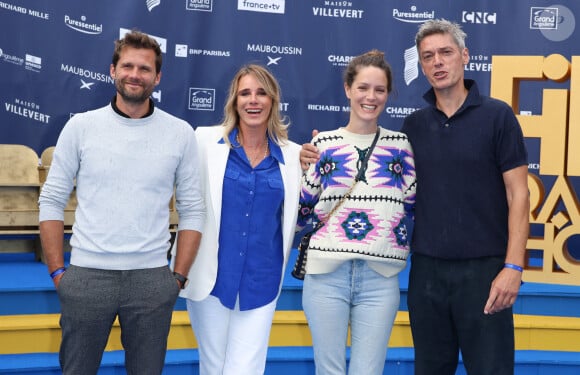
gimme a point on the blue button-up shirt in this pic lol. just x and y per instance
(250, 255)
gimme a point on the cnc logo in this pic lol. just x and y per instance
(484, 18)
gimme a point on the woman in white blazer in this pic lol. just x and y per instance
(252, 179)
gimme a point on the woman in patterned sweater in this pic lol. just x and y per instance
(355, 257)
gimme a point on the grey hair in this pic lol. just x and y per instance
(441, 26)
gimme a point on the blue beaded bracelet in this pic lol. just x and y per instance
(513, 267)
(57, 272)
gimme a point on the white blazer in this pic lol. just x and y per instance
(214, 156)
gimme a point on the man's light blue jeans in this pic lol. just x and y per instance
(355, 294)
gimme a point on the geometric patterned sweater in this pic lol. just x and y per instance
(375, 222)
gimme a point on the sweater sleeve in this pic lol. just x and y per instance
(59, 183)
(189, 192)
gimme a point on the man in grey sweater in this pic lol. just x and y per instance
(127, 159)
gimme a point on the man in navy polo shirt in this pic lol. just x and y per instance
(471, 219)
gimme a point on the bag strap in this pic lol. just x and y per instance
(358, 177)
(363, 166)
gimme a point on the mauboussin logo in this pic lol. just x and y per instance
(201, 99)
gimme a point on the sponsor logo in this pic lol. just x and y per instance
(273, 60)
(328, 108)
(82, 25)
(284, 107)
(86, 85)
(10, 58)
(209, 52)
(556, 23)
(339, 60)
(181, 50)
(23, 10)
(400, 112)
(33, 63)
(337, 9)
(270, 50)
(162, 41)
(411, 70)
(280, 50)
(199, 5)
(478, 63)
(156, 95)
(152, 4)
(478, 17)
(266, 6)
(543, 18)
(201, 99)
(27, 109)
(412, 15)
(85, 73)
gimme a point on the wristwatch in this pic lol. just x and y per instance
(182, 279)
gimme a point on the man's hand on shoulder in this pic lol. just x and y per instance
(308, 153)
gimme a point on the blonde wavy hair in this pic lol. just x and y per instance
(277, 123)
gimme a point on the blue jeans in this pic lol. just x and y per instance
(354, 294)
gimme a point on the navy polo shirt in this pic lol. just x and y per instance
(461, 208)
(250, 255)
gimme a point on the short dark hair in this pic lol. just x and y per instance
(137, 39)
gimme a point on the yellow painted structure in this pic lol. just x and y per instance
(41, 333)
(558, 129)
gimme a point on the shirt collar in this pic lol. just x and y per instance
(473, 96)
(275, 150)
(121, 113)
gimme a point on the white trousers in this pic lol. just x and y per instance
(230, 342)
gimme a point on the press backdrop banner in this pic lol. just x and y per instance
(55, 57)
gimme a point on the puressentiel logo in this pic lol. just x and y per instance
(201, 99)
(81, 25)
(413, 15)
(266, 6)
